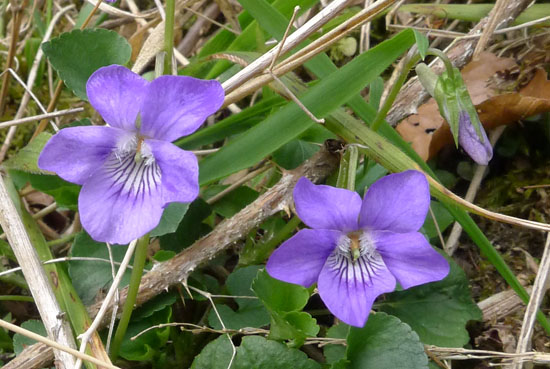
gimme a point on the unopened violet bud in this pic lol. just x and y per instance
(427, 78)
(479, 149)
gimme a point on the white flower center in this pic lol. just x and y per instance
(133, 166)
(355, 257)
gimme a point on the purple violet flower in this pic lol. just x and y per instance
(130, 170)
(358, 249)
(480, 152)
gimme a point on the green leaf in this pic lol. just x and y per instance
(91, 277)
(26, 160)
(20, 342)
(147, 345)
(154, 305)
(64, 193)
(232, 125)
(254, 352)
(422, 43)
(279, 296)
(334, 353)
(189, 229)
(385, 343)
(284, 302)
(259, 353)
(76, 55)
(295, 326)
(290, 121)
(251, 312)
(437, 312)
(215, 355)
(294, 153)
(171, 218)
(233, 202)
(443, 217)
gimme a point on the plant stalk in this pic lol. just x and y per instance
(135, 279)
(169, 35)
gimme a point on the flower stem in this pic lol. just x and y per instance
(401, 80)
(441, 55)
(169, 35)
(348, 168)
(388, 102)
(135, 279)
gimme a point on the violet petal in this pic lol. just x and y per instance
(410, 258)
(349, 289)
(122, 200)
(75, 153)
(398, 202)
(480, 152)
(179, 170)
(117, 94)
(326, 207)
(176, 106)
(299, 259)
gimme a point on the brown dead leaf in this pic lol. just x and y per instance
(426, 131)
(508, 108)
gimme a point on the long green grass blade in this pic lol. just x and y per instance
(288, 122)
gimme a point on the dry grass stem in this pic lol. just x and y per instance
(54, 114)
(539, 290)
(54, 344)
(260, 64)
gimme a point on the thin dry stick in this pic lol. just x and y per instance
(17, 15)
(30, 82)
(301, 56)
(205, 17)
(364, 38)
(283, 40)
(495, 19)
(117, 298)
(65, 259)
(60, 83)
(209, 297)
(298, 36)
(468, 354)
(111, 10)
(434, 219)
(54, 114)
(58, 329)
(286, 89)
(237, 184)
(452, 240)
(71, 352)
(539, 290)
(85, 337)
(297, 101)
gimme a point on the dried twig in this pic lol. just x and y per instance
(54, 114)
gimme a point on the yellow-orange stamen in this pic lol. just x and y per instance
(354, 246)
(140, 140)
